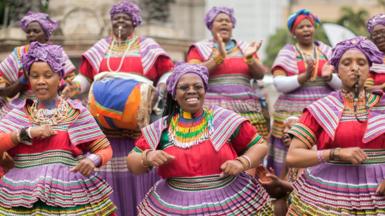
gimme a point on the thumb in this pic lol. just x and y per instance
(169, 156)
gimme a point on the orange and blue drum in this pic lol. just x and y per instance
(121, 100)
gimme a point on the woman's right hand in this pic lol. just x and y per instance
(221, 45)
(158, 158)
(42, 132)
(71, 90)
(354, 155)
(303, 77)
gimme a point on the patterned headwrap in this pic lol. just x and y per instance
(300, 15)
(183, 68)
(214, 11)
(378, 19)
(52, 54)
(47, 24)
(367, 47)
(129, 8)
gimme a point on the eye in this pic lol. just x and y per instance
(183, 87)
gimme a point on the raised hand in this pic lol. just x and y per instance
(71, 90)
(158, 158)
(221, 45)
(252, 49)
(327, 71)
(85, 167)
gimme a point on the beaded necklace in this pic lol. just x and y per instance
(114, 47)
(186, 130)
(53, 116)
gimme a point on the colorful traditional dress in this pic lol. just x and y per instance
(191, 183)
(140, 56)
(291, 61)
(377, 75)
(41, 182)
(11, 70)
(337, 188)
(229, 83)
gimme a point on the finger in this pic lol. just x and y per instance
(74, 169)
(259, 45)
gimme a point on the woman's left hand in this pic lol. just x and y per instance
(252, 49)
(381, 188)
(327, 71)
(232, 167)
(85, 167)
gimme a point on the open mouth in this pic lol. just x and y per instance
(192, 100)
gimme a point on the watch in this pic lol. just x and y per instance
(24, 137)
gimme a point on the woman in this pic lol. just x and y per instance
(201, 154)
(38, 27)
(47, 138)
(232, 64)
(133, 55)
(376, 29)
(302, 76)
(347, 172)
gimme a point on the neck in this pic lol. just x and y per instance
(48, 104)
(305, 46)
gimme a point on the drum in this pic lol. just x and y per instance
(121, 100)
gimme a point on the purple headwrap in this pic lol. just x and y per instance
(367, 47)
(378, 19)
(129, 8)
(182, 69)
(47, 24)
(52, 54)
(214, 11)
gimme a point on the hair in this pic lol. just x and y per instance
(171, 108)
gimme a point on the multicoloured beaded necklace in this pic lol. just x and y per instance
(53, 116)
(187, 130)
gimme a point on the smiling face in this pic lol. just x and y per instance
(44, 82)
(35, 33)
(352, 63)
(190, 93)
(222, 24)
(123, 21)
(304, 32)
(378, 37)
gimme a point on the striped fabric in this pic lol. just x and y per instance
(149, 51)
(377, 68)
(83, 129)
(287, 57)
(225, 122)
(11, 66)
(341, 189)
(205, 47)
(303, 133)
(207, 195)
(328, 112)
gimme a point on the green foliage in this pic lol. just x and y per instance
(354, 20)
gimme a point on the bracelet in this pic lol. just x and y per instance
(218, 59)
(247, 159)
(249, 60)
(337, 153)
(96, 159)
(145, 162)
(320, 156)
(332, 155)
(244, 165)
(29, 132)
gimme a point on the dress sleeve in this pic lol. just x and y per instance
(141, 144)
(163, 65)
(307, 129)
(245, 136)
(86, 69)
(193, 56)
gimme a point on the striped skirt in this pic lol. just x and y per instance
(42, 184)
(208, 195)
(341, 189)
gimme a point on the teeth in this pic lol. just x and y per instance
(192, 99)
